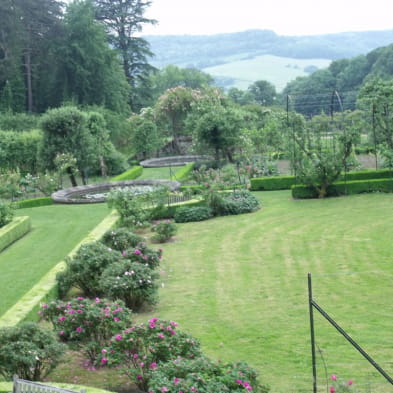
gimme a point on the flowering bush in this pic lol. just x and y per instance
(164, 230)
(6, 213)
(144, 255)
(29, 351)
(86, 323)
(133, 282)
(120, 239)
(338, 386)
(84, 270)
(143, 348)
(203, 375)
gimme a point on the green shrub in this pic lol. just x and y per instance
(29, 351)
(193, 189)
(345, 188)
(14, 231)
(183, 173)
(164, 231)
(170, 211)
(34, 202)
(240, 202)
(144, 347)
(144, 255)
(116, 162)
(84, 270)
(192, 214)
(367, 175)
(203, 375)
(130, 174)
(87, 324)
(133, 282)
(6, 213)
(18, 121)
(272, 183)
(121, 238)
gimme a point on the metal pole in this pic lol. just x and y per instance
(313, 356)
(350, 339)
(375, 137)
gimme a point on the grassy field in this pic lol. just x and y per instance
(239, 284)
(277, 70)
(158, 173)
(55, 231)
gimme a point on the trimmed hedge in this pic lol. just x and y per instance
(45, 289)
(345, 188)
(34, 202)
(13, 231)
(183, 173)
(170, 211)
(286, 182)
(130, 174)
(272, 183)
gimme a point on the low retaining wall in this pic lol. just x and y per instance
(70, 195)
(172, 161)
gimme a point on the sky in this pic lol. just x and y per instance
(285, 17)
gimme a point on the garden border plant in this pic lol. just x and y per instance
(13, 231)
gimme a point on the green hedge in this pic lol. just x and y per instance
(184, 172)
(286, 182)
(14, 231)
(345, 188)
(131, 174)
(272, 183)
(35, 202)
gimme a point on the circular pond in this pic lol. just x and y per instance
(96, 193)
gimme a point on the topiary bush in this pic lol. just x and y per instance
(84, 270)
(121, 239)
(192, 214)
(87, 324)
(132, 282)
(29, 351)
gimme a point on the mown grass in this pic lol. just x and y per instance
(239, 284)
(157, 173)
(55, 231)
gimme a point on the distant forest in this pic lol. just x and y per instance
(209, 50)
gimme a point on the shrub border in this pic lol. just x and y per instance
(27, 307)
(33, 202)
(13, 231)
(130, 174)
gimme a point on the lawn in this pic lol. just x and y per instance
(56, 230)
(239, 284)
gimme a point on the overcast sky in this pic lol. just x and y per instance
(285, 17)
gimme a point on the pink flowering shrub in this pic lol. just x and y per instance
(121, 239)
(339, 386)
(203, 375)
(144, 255)
(164, 231)
(85, 323)
(143, 348)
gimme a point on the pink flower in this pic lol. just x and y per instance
(116, 319)
(79, 329)
(153, 365)
(193, 389)
(139, 377)
(164, 389)
(97, 300)
(135, 356)
(334, 377)
(141, 364)
(44, 305)
(104, 361)
(118, 337)
(80, 298)
(175, 381)
(61, 319)
(79, 311)
(61, 332)
(332, 389)
(137, 252)
(161, 335)
(239, 382)
(104, 351)
(350, 382)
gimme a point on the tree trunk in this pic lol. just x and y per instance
(28, 81)
(104, 172)
(72, 177)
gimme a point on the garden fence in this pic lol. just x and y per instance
(313, 305)
(24, 386)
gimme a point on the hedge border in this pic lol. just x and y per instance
(28, 305)
(34, 202)
(13, 231)
(130, 174)
(183, 173)
(345, 188)
(6, 387)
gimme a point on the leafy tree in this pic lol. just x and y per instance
(65, 131)
(322, 150)
(124, 19)
(264, 92)
(240, 97)
(89, 72)
(376, 96)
